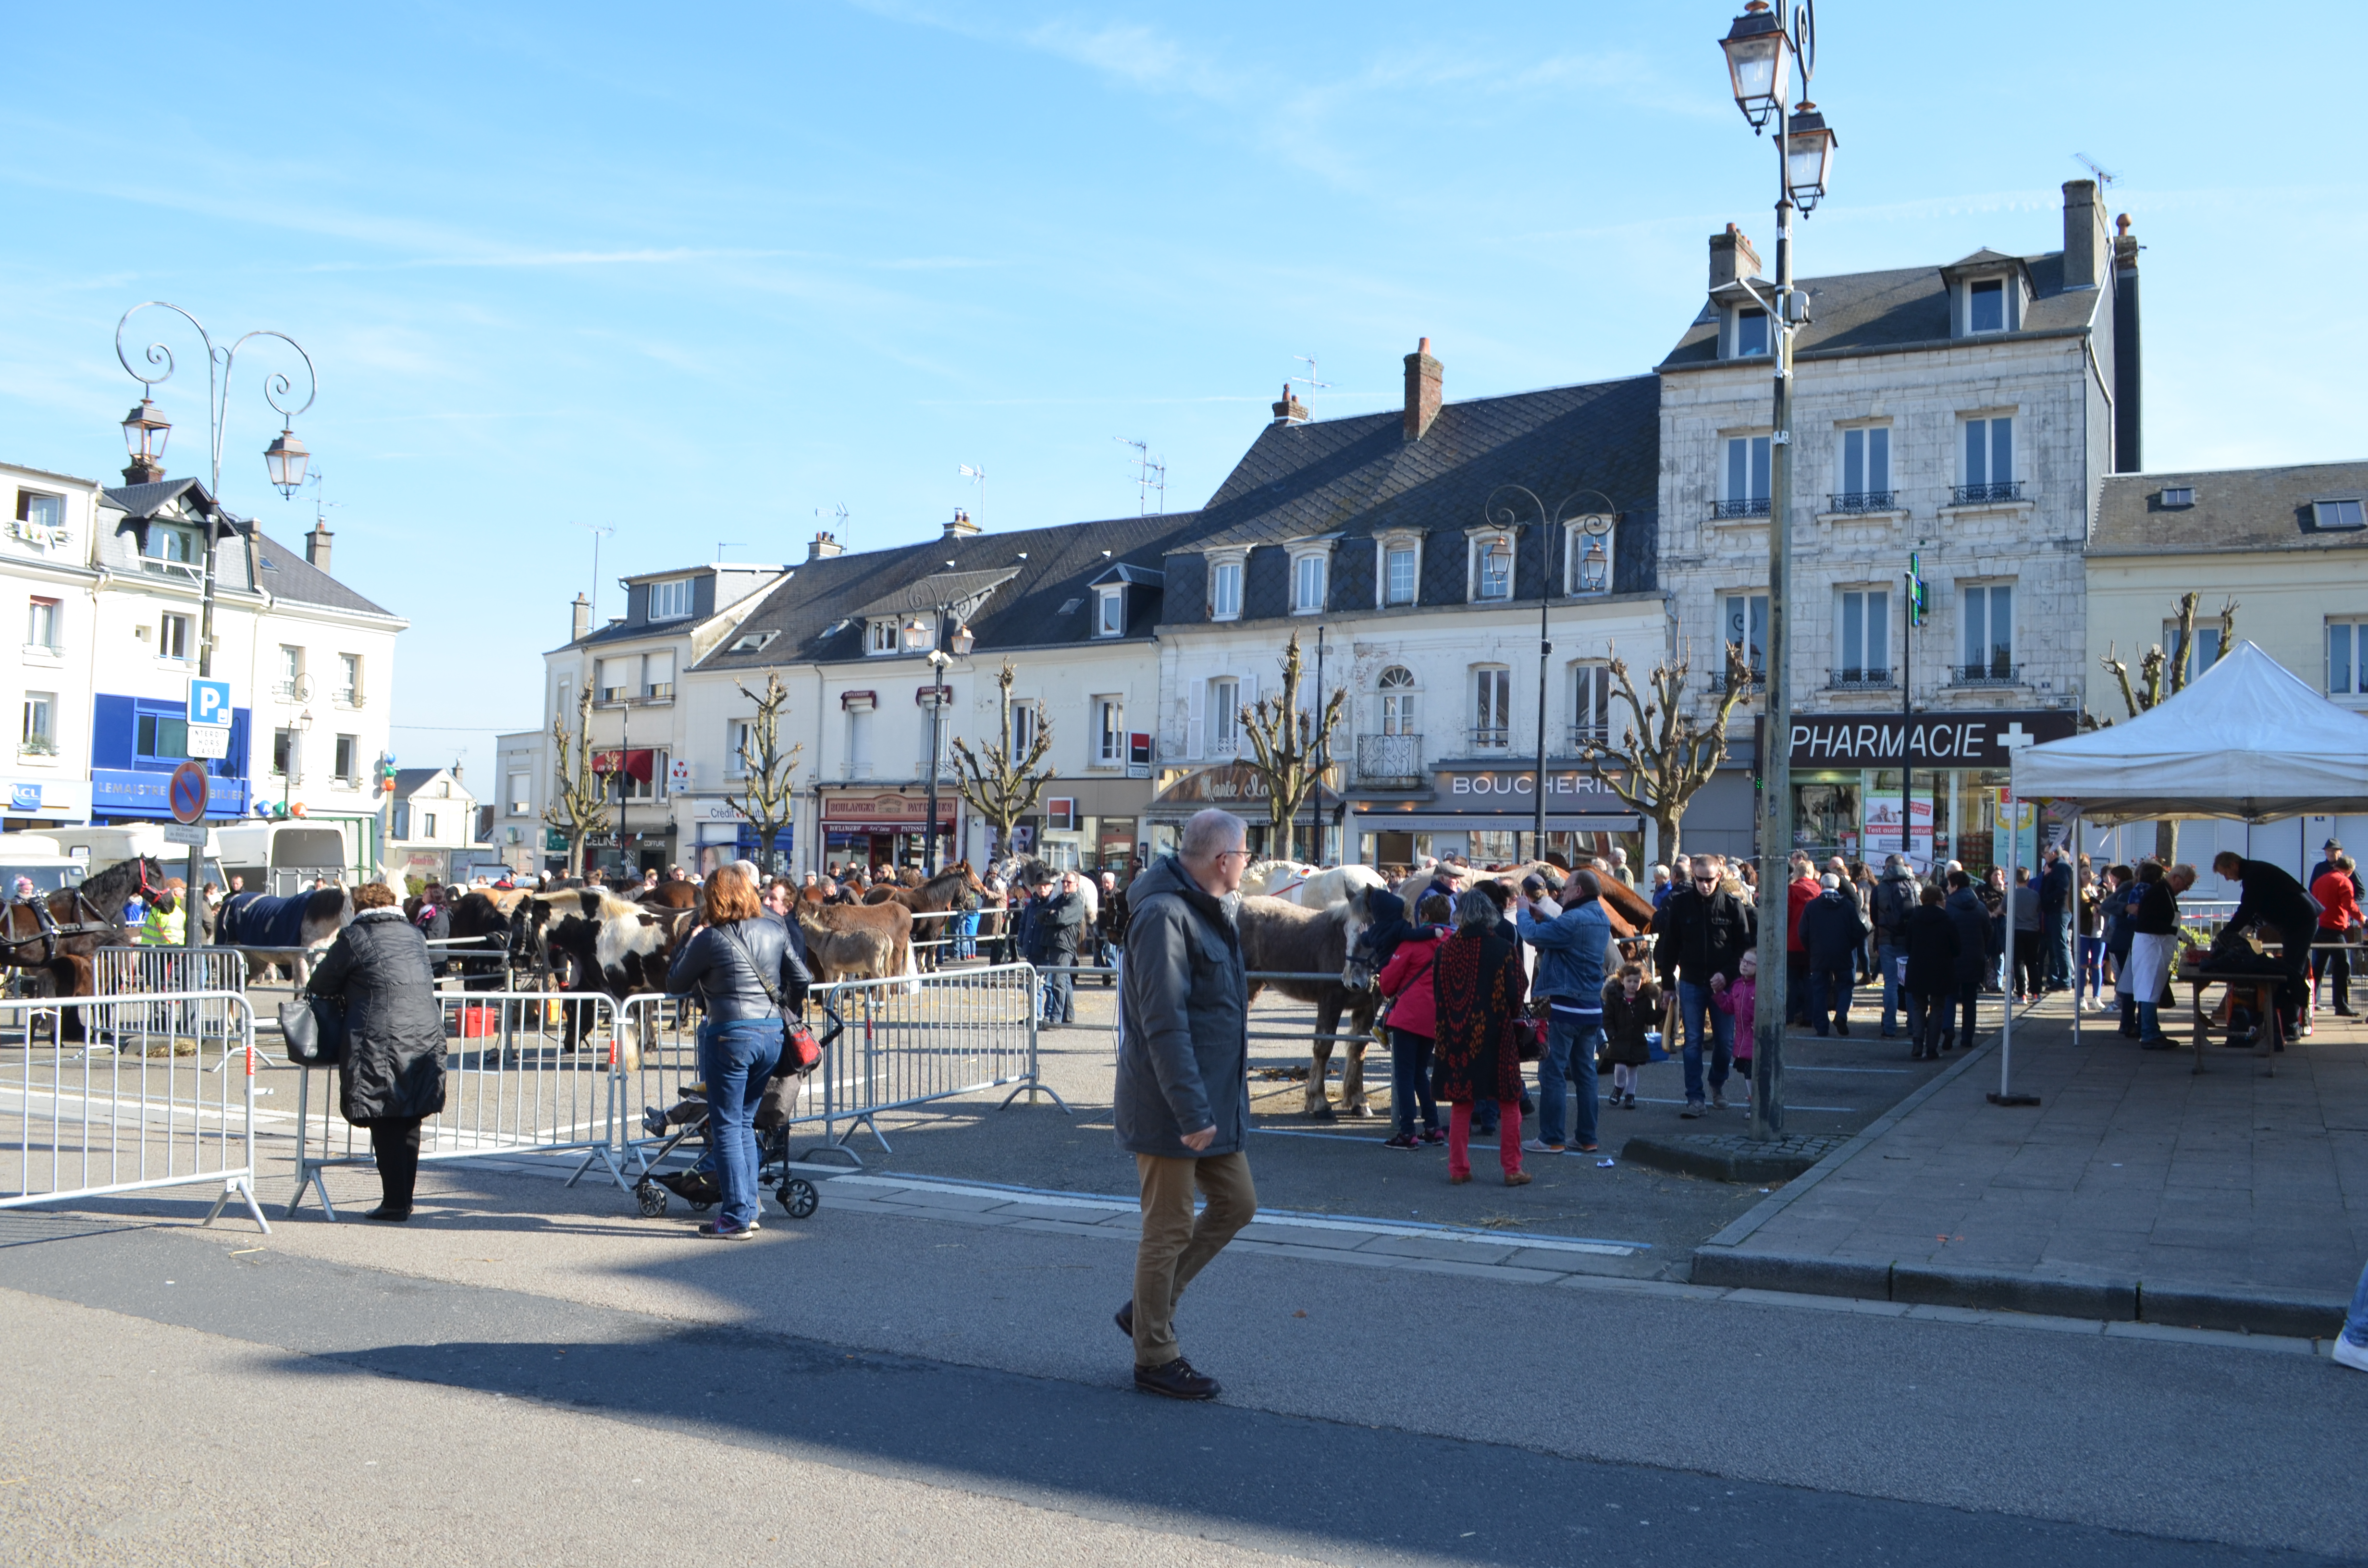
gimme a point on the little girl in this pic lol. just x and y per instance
(1739, 1000)
(1631, 1007)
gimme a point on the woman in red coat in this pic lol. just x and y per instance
(1477, 987)
(2339, 912)
(1406, 981)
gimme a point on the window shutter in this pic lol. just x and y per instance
(662, 668)
(1196, 708)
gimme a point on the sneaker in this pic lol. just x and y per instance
(2346, 1354)
(1540, 1146)
(1694, 1108)
(1432, 1138)
(1176, 1381)
(1718, 1099)
(1402, 1140)
(717, 1231)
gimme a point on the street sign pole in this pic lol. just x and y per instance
(209, 732)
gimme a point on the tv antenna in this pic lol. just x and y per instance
(598, 535)
(319, 507)
(840, 517)
(724, 545)
(977, 476)
(1309, 381)
(2105, 181)
(1150, 474)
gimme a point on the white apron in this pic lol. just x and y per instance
(2150, 965)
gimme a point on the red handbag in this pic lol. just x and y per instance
(1527, 1037)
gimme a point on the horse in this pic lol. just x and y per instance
(857, 941)
(1312, 887)
(56, 938)
(308, 920)
(1279, 935)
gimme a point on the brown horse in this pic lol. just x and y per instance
(54, 938)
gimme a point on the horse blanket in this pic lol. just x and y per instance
(259, 920)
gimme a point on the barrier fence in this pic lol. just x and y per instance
(524, 1073)
(101, 1096)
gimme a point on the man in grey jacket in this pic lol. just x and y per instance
(1182, 1105)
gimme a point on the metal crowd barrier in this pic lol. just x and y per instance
(907, 1041)
(151, 974)
(513, 1083)
(101, 1096)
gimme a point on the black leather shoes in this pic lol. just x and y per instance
(392, 1216)
(1124, 1318)
(1176, 1381)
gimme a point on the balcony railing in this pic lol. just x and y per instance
(1389, 762)
(184, 570)
(1862, 680)
(1985, 494)
(1716, 680)
(1749, 507)
(1488, 738)
(1996, 672)
(1865, 501)
(1582, 736)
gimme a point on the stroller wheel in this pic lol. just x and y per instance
(653, 1200)
(799, 1197)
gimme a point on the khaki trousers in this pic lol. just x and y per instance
(1176, 1246)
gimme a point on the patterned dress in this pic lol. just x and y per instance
(1478, 989)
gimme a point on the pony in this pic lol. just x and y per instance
(1279, 935)
(308, 920)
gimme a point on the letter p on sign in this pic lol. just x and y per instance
(209, 702)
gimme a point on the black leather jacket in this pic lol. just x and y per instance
(721, 963)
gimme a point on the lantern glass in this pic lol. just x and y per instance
(284, 461)
(1808, 156)
(145, 430)
(1758, 62)
(964, 641)
(917, 635)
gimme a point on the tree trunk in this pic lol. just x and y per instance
(1668, 822)
(2166, 843)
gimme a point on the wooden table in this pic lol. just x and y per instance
(2267, 1038)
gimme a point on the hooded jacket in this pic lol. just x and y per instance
(1184, 1049)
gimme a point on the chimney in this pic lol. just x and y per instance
(316, 548)
(1290, 411)
(1732, 257)
(961, 527)
(1423, 375)
(2085, 249)
(825, 545)
(582, 620)
(2127, 453)
(143, 471)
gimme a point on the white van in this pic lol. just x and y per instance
(39, 860)
(284, 858)
(100, 847)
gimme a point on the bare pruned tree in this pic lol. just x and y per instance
(2163, 675)
(1665, 753)
(1000, 786)
(1286, 743)
(579, 797)
(769, 798)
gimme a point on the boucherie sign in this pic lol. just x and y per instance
(1476, 788)
(1923, 740)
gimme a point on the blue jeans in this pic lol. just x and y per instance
(2356, 1326)
(966, 934)
(1571, 1044)
(1410, 1081)
(1887, 958)
(2058, 970)
(1698, 1018)
(1829, 995)
(735, 1059)
(2092, 969)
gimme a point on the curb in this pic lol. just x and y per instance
(1703, 1158)
(1982, 1289)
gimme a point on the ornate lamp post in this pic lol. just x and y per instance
(144, 434)
(1760, 59)
(930, 633)
(1505, 508)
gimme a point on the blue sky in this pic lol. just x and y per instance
(699, 276)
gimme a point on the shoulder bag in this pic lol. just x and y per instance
(315, 1030)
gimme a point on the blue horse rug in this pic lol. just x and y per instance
(259, 920)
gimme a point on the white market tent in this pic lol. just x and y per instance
(2246, 741)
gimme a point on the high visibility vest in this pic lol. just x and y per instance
(162, 929)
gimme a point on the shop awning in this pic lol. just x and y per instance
(638, 765)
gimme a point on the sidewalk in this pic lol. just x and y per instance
(2135, 1189)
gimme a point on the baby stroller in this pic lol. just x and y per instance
(685, 1122)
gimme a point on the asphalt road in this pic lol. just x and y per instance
(852, 1375)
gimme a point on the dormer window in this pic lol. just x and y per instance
(670, 600)
(1750, 333)
(1310, 577)
(1586, 557)
(753, 641)
(1401, 567)
(1110, 611)
(1985, 306)
(1225, 590)
(879, 637)
(1492, 567)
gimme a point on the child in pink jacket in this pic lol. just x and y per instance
(1740, 999)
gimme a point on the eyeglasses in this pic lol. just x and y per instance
(1226, 853)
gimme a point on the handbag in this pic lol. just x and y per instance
(314, 1030)
(800, 1053)
(1527, 1037)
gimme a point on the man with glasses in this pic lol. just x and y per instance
(1182, 1105)
(1704, 931)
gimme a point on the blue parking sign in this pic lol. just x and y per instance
(209, 703)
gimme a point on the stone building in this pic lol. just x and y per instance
(1963, 418)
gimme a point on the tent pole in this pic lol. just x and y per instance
(2073, 913)
(2006, 1094)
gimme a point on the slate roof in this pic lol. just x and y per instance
(2235, 509)
(1863, 312)
(409, 782)
(279, 571)
(286, 574)
(829, 596)
(141, 502)
(1359, 477)
(938, 588)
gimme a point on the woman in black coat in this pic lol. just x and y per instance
(393, 1076)
(1933, 948)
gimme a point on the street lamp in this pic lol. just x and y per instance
(920, 635)
(1504, 508)
(144, 432)
(297, 732)
(1760, 56)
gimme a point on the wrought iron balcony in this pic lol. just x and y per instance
(1389, 762)
(1716, 681)
(1487, 739)
(1985, 494)
(1582, 736)
(1749, 507)
(1862, 680)
(1865, 501)
(1996, 672)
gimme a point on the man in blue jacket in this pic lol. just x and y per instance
(1571, 941)
(2056, 916)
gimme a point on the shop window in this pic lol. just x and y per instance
(158, 737)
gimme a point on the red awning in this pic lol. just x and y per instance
(638, 765)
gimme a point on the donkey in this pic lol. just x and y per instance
(1278, 936)
(857, 941)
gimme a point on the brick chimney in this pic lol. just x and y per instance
(143, 471)
(582, 620)
(960, 525)
(1290, 411)
(2128, 451)
(1732, 257)
(1423, 377)
(825, 545)
(2086, 248)
(316, 548)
